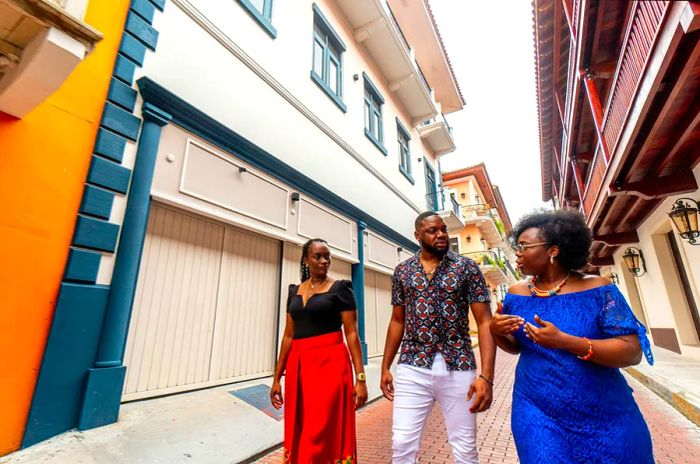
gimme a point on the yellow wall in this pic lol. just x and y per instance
(44, 159)
(470, 230)
(467, 187)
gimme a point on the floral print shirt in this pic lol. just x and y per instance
(437, 310)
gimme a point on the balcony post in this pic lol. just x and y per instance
(569, 18)
(596, 110)
(578, 179)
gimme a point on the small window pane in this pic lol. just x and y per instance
(259, 5)
(333, 77)
(405, 159)
(318, 58)
(367, 113)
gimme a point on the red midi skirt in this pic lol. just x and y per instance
(319, 411)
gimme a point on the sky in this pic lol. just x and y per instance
(490, 45)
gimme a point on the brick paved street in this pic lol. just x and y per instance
(676, 439)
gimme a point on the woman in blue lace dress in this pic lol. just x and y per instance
(573, 332)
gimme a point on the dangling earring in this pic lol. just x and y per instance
(551, 260)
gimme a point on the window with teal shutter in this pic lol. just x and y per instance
(327, 63)
(430, 187)
(374, 126)
(261, 11)
(403, 139)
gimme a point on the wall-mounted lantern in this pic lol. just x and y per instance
(634, 259)
(684, 215)
(614, 278)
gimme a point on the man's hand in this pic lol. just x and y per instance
(548, 335)
(481, 390)
(387, 385)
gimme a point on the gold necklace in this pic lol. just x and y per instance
(311, 282)
(430, 273)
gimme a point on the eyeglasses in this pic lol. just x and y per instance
(521, 247)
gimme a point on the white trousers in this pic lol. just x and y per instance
(415, 392)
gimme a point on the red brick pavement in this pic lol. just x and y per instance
(676, 439)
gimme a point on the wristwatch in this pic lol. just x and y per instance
(361, 377)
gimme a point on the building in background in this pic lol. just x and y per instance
(619, 95)
(233, 132)
(485, 226)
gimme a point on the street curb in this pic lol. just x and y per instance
(686, 403)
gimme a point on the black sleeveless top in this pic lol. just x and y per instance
(321, 315)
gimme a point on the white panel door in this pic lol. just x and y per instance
(341, 270)
(373, 348)
(246, 315)
(205, 307)
(377, 310)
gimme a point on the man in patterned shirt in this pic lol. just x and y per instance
(431, 296)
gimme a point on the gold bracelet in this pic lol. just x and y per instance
(588, 354)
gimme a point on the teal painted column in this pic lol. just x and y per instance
(358, 286)
(106, 380)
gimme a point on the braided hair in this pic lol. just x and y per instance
(304, 271)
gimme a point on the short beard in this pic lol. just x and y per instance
(432, 250)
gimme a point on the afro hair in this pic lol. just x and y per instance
(566, 229)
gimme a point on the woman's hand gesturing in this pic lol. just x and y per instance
(547, 335)
(504, 324)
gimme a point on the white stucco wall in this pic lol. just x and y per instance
(659, 289)
(200, 61)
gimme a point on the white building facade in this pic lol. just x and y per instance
(280, 122)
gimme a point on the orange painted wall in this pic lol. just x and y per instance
(44, 159)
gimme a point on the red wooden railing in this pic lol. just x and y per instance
(641, 35)
(642, 30)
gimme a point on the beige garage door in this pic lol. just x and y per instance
(377, 310)
(205, 311)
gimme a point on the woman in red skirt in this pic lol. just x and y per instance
(319, 415)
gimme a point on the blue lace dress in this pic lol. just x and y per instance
(569, 411)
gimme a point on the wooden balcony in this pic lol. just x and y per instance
(497, 271)
(448, 210)
(438, 133)
(642, 31)
(375, 28)
(481, 215)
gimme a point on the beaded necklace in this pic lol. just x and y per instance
(534, 291)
